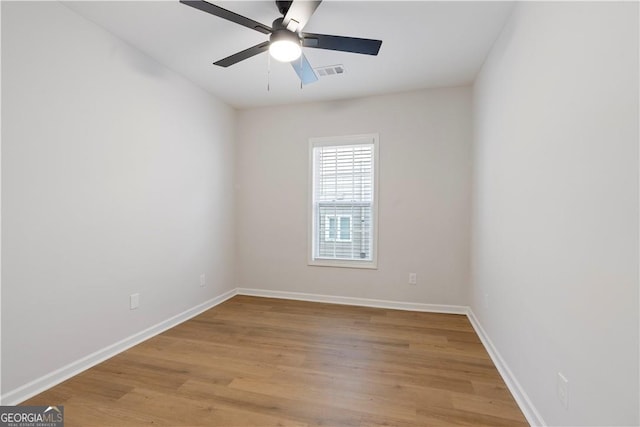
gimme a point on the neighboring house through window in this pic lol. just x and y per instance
(343, 223)
(337, 228)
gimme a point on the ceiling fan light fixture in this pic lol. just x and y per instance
(284, 46)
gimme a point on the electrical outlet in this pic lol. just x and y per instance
(134, 301)
(413, 278)
(202, 281)
(563, 390)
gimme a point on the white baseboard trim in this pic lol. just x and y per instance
(45, 382)
(522, 399)
(41, 384)
(364, 302)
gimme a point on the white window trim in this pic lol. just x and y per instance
(344, 140)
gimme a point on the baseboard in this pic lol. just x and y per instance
(526, 406)
(522, 399)
(364, 302)
(41, 384)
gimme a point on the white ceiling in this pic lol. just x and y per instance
(425, 44)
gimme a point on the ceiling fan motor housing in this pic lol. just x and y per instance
(278, 24)
(280, 32)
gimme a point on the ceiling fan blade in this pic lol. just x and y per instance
(299, 13)
(304, 70)
(241, 56)
(344, 44)
(228, 15)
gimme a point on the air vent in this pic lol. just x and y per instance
(332, 70)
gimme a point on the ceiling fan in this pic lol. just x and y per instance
(287, 39)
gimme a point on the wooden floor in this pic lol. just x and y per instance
(269, 362)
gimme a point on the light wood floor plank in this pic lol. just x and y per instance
(268, 362)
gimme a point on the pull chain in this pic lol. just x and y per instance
(301, 70)
(268, 71)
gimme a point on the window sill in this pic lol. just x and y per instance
(371, 265)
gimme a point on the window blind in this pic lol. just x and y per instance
(343, 201)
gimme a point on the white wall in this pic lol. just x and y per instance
(555, 223)
(117, 177)
(424, 196)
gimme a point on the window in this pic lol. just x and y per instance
(337, 228)
(343, 211)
